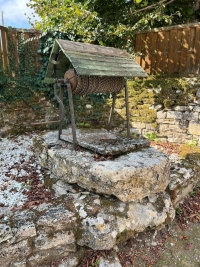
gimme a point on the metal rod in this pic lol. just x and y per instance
(60, 112)
(71, 106)
(112, 110)
(127, 111)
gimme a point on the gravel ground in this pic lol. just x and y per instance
(21, 177)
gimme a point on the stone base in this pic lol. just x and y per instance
(129, 177)
(103, 142)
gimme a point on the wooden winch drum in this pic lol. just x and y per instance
(84, 84)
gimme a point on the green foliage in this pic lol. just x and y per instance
(110, 23)
(24, 78)
(179, 211)
(83, 125)
(4, 85)
(96, 263)
(192, 143)
(152, 136)
(169, 91)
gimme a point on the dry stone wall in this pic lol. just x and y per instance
(178, 123)
(16, 117)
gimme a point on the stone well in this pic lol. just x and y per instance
(98, 203)
(114, 198)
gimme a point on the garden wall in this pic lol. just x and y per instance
(172, 110)
(16, 117)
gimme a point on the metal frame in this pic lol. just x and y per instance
(66, 83)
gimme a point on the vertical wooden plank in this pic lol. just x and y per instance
(143, 50)
(165, 51)
(171, 55)
(196, 67)
(1, 51)
(14, 38)
(184, 50)
(160, 52)
(147, 53)
(153, 55)
(138, 44)
(5, 48)
(177, 49)
(190, 55)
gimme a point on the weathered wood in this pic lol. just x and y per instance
(96, 57)
(160, 54)
(92, 60)
(153, 51)
(109, 66)
(171, 49)
(147, 54)
(184, 50)
(178, 46)
(79, 56)
(197, 52)
(138, 46)
(92, 49)
(172, 43)
(143, 43)
(4, 47)
(105, 73)
(165, 51)
(14, 35)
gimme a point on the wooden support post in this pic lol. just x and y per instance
(60, 112)
(127, 111)
(111, 111)
(71, 106)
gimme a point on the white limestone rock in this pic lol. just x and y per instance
(129, 177)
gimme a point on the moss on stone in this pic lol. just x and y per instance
(125, 235)
(186, 151)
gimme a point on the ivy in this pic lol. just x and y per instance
(24, 76)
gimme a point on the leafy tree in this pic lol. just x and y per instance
(110, 22)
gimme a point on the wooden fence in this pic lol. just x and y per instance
(174, 49)
(13, 35)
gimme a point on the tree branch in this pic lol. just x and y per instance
(152, 6)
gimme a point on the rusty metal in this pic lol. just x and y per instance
(85, 84)
(61, 112)
(71, 106)
(96, 84)
(114, 95)
(127, 111)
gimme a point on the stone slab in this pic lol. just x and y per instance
(129, 177)
(104, 142)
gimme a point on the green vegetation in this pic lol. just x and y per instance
(152, 136)
(192, 143)
(179, 210)
(110, 23)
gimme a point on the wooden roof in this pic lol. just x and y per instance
(92, 60)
